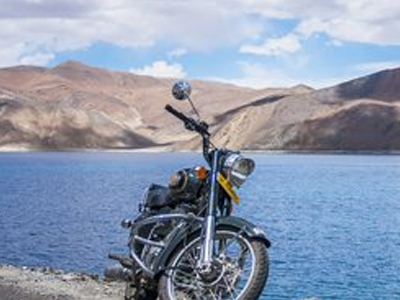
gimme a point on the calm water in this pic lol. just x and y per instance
(334, 221)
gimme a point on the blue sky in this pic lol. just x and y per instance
(256, 43)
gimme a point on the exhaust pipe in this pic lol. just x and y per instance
(126, 262)
(118, 273)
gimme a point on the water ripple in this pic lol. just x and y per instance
(333, 220)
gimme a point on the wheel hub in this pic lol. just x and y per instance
(211, 273)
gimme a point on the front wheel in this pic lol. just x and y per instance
(239, 271)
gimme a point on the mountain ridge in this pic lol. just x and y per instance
(74, 105)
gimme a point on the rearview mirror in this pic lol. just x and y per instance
(181, 90)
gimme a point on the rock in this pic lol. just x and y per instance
(46, 283)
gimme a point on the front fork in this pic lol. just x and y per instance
(207, 251)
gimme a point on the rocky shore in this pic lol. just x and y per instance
(25, 283)
(46, 283)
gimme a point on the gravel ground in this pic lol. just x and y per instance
(23, 283)
(49, 284)
(14, 292)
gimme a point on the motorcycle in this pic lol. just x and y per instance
(185, 243)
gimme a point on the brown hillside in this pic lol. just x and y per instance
(78, 106)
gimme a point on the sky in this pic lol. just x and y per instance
(254, 43)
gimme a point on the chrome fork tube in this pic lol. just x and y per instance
(207, 250)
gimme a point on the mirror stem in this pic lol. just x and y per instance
(194, 108)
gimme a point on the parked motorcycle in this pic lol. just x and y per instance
(186, 244)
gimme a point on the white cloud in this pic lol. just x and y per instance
(10, 55)
(37, 59)
(258, 76)
(177, 52)
(367, 21)
(273, 47)
(47, 26)
(70, 25)
(371, 67)
(161, 69)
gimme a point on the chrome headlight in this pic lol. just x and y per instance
(237, 168)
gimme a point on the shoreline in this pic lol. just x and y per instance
(164, 150)
(46, 283)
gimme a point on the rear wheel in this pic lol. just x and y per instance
(239, 272)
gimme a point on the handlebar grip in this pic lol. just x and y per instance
(190, 124)
(176, 113)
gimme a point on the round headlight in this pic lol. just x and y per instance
(237, 168)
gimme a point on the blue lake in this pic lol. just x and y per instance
(334, 220)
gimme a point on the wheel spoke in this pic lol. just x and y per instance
(230, 289)
(226, 245)
(191, 257)
(232, 270)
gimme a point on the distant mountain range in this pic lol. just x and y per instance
(75, 106)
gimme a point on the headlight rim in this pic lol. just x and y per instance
(231, 170)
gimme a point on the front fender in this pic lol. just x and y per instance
(247, 228)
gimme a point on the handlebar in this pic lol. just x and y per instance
(176, 113)
(190, 124)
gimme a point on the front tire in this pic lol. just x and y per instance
(240, 269)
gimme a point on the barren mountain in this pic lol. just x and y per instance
(362, 114)
(77, 106)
